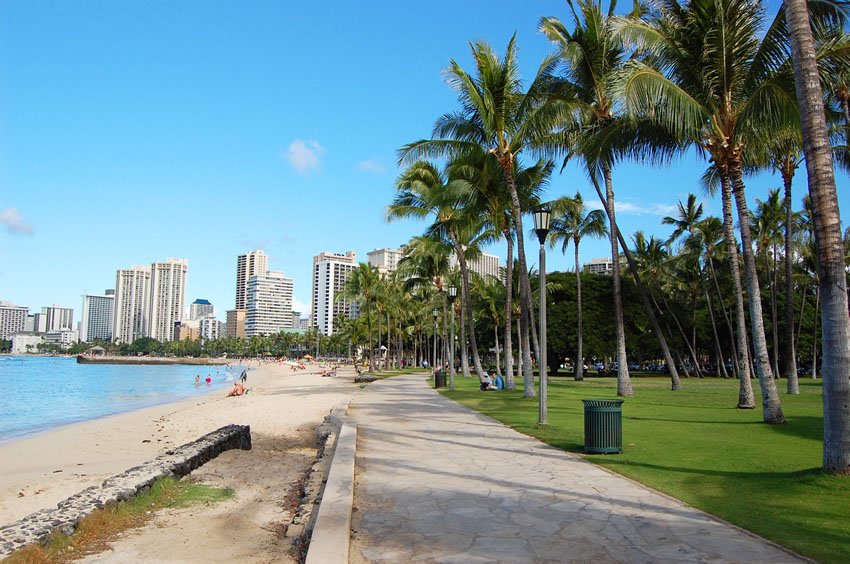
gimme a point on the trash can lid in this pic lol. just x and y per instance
(603, 402)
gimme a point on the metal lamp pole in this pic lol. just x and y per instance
(452, 297)
(542, 218)
(436, 313)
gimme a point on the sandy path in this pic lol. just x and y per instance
(40, 471)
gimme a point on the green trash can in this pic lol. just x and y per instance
(439, 379)
(603, 426)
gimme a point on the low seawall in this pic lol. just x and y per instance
(147, 360)
(179, 461)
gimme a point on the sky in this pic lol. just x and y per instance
(131, 132)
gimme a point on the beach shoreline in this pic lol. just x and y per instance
(42, 469)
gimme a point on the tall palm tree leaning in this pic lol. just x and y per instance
(593, 54)
(712, 82)
(827, 220)
(498, 116)
(571, 221)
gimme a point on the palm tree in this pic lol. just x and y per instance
(827, 224)
(766, 224)
(593, 55)
(501, 118)
(424, 190)
(362, 287)
(572, 221)
(710, 80)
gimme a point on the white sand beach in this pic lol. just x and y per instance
(283, 409)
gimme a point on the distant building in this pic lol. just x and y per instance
(132, 304)
(330, 272)
(55, 318)
(484, 265)
(63, 338)
(187, 330)
(98, 313)
(29, 326)
(385, 260)
(236, 323)
(26, 342)
(248, 265)
(269, 304)
(602, 265)
(201, 308)
(168, 296)
(13, 319)
(210, 328)
(305, 322)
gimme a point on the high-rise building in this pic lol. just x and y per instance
(98, 314)
(53, 318)
(210, 328)
(330, 272)
(248, 265)
(236, 323)
(484, 265)
(601, 265)
(385, 260)
(168, 296)
(201, 308)
(132, 304)
(269, 304)
(13, 319)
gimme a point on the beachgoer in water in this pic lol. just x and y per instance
(197, 379)
(208, 380)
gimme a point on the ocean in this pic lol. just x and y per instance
(41, 393)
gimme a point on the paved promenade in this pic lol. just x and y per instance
(437, 482)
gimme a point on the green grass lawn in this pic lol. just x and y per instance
(696, 446)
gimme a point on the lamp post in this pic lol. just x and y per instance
(452, 297)
(542, 217)
(436, 313)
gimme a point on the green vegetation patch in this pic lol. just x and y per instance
(104, 525)
(696, 446)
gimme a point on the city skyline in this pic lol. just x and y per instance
(173, 142)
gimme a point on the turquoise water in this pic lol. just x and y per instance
(41, 393)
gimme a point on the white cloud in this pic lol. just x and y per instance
(298, 305)
(304, 155)
(11, 218)
(370, 166)
(628, 208)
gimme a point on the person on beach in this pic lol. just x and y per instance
(244, 376)
(238, 390)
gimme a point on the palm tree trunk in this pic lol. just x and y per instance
(675, 383)
(524, 284)
(726, 318)
(380, 337)
(774, 316)
(793, 386)
(467, 303)
(827, 222)
(721, 366)
(684, 335)
(445, 333)
(624, 383)
(815, 336)
(498, 360)
(579, 358)
(464, 352)
(771, 406)
(746, 399)
(510, 383)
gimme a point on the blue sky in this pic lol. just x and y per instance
(135, 131)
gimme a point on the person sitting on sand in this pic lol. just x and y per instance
(238, 390)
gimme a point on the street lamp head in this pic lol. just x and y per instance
(542, 218)
(452, 293)
(436, 313)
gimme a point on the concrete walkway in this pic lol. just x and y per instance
(437, 482)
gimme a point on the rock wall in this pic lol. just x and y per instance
(177, 462)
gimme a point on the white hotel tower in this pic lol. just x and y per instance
(132, 302)
(330, 271)
(98, 314)
(269, 304)
(168, 296)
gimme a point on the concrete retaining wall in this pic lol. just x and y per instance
(180, 461)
